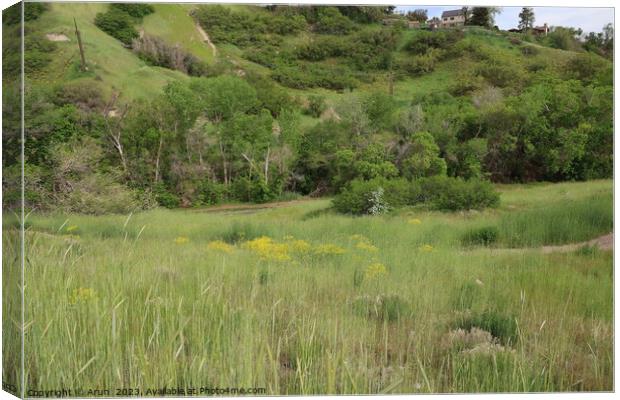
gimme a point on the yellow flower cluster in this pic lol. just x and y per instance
(375, 271)
(181, 240)
(71, 228)
(81, 295)
(427, 248)
(298, 246)
(268, 249)
(219, 245)
(414, 221)
(328, 249)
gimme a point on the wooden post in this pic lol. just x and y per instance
(79, 39)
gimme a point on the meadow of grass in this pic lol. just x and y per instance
(301, 300)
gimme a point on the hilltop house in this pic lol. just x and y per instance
(541, 30)
(452, 18)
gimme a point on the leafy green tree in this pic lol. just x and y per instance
(483, 16)
(526, 19)
(424, 159)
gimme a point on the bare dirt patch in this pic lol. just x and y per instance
(605, 242)
(57, 37)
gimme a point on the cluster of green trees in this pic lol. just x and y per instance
(507, 115)
(120, 19)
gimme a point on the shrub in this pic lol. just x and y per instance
(87, 95)
(211, 193)
(134, 9)
(425, 40)
(420, 64)
(165, 198)
(502, 327)
(360, 196)
(306, 75)
(316, 106)
(322, 48)
(437, 192)
(118, 24)
(481, 236)
(453, 194)
(13, 15)
(253, 190)
(333, 22)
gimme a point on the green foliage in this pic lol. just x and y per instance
(331, 21)
(357, 197)
(501, 326)
(441, 193)
(484, 236)
(424, 159)
(306, 75)
(425, 40)
(453, 194)
(165, 198)
(316, 106)
(136, 10)
(13, 15)
(118, 24)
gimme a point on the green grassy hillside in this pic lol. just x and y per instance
(116, 67)
(121, 70)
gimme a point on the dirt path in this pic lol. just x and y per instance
(248, 208)
(605, 242)
(206, 38)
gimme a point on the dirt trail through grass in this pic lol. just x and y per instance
(206, 38)
(605, 242)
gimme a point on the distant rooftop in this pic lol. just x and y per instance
(451, 13)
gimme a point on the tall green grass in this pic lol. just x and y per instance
(179, 313)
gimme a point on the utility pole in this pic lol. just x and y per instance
(79, 39)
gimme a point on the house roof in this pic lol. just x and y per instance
(451, 13)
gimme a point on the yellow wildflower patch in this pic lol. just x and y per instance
(219, 245)
(299, 246)
(328, 249)
(267, 249)
(375, 271)
(414, 221)
(181, 240)
(81, 295)
(71, 228)
(367, 247)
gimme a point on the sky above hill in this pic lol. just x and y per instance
(588, 19)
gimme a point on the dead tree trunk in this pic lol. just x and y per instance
(83, 66)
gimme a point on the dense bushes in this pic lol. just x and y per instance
(118, 24)
(306, 75)
(438, 192)
(243, 28)
(135, 10)
(424, 40)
